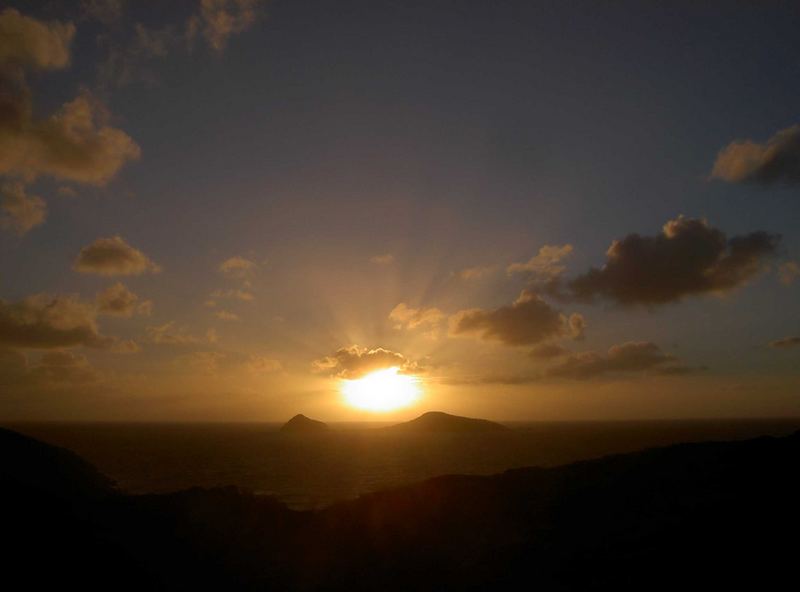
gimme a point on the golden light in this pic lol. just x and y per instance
(382, 390)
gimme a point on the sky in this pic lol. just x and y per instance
(230, 210)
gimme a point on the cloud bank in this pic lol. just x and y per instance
(633, 356)
(688, 257)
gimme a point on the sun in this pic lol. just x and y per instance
(382, 390)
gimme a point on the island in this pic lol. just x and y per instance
(437, 421)
(300, 424)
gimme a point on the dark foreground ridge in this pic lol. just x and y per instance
(714, 516)
(300, 423)
(437, 421)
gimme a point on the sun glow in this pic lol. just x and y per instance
(382, 390)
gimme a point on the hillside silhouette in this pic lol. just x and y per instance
(437, 421)
(693, 516)
(302, 424)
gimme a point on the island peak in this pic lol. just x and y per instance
(301, 423)
(438, 421)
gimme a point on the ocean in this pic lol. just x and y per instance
(313, 470)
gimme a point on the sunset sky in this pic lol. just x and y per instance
(225, 210)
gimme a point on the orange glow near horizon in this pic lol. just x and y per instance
(382, 391)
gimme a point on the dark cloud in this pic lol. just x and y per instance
(117, 300)
(785, 343)
(19, 210)
(113, 256)
(48, 322)
(688, 257)
(775, 162)
(527, 321)
(354, 362)
(633, 356)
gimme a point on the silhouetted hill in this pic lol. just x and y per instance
(436, 421)
(710, 516)
(27, 464)
(301, 423)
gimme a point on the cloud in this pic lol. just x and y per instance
(43, 321)
(18, 210)
(549, 350)
(775, 162)
(171, 334)
(405, 317)
(233, 294)
(504, 379)
(66, 191)
(117, 300)
(238, 267)
(127, 61)
(64, 367)
(105, 11)
(217, 362)
(545, 264)
(355, 362)
(217, 20)
(226, 315)
(527, 321)
(73, 144)
(688, 257)
(127, 346)
(386, 259)
(27, 42)
(54, 369)
(475, 273)
(788, 272)
(633, 356)
(785, 343)
(112, 257)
